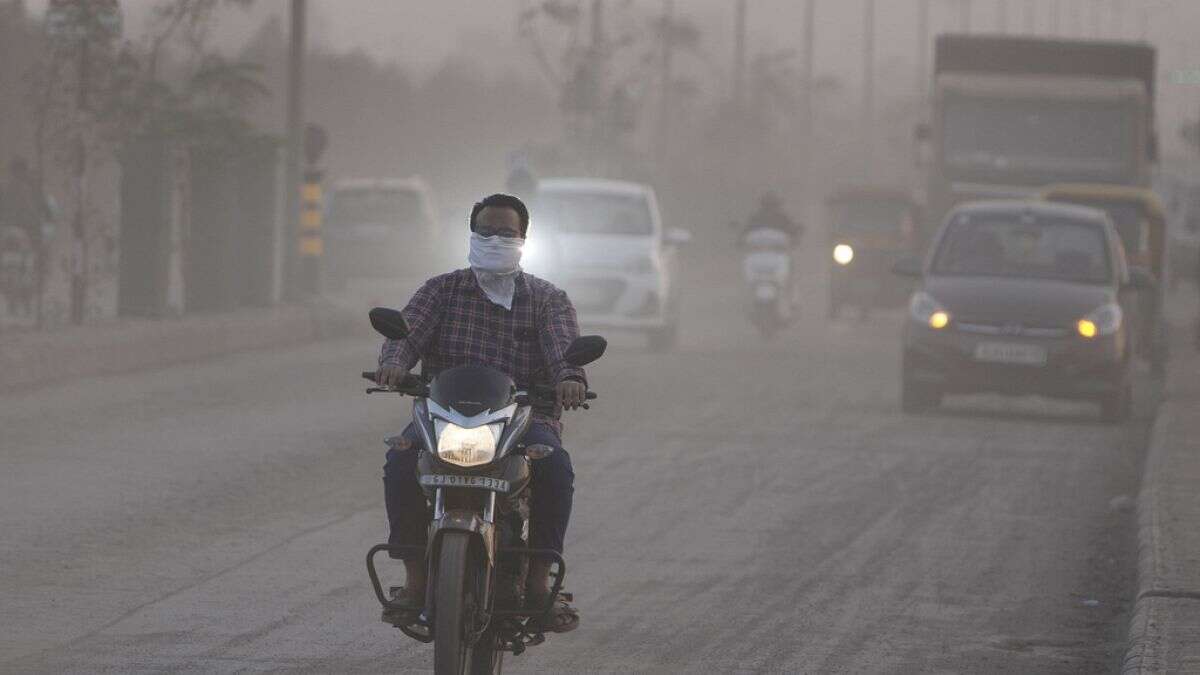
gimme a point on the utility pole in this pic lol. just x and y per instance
(922, 49)
(1030, 18)
(806, 90)
(295, 141)
(868, 91)
(1095, 22)
(1002, 16)
(599, 121)
(1054, 12)
(664, 101)
(964, 16)
(739, 55)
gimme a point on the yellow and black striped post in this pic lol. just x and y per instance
(312, 245)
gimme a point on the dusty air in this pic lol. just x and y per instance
(599, 336)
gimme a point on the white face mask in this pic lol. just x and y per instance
(495, 262)
(498, 255)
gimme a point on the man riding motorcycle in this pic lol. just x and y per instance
(771, 216)
(496, 315)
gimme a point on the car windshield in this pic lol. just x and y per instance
(594, 213)
(1014, 135)
(873, 216)
(994, 245)
(375, 206)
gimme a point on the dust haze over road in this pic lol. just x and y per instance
(742, 504)
(739, 507)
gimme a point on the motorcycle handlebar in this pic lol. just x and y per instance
(542, 395)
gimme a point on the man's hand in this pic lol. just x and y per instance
(390, 376)
(571, 394)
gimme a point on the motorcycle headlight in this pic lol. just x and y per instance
(843, 254)
(467, 447)
(927, 311)
(1104, 320)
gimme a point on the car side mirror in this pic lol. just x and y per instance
(584, 350)
(677, 237)
(389, 323)
(908, 267)
(1141, 279)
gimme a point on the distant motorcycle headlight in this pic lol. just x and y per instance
(466, 447)
(927, 311)
(1104, 320)
(843, 254)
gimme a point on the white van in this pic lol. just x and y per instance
(603, 242)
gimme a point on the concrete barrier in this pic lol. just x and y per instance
(35, 358)
(1164, 631)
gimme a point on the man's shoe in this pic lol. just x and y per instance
(560, 618)
(405, 607)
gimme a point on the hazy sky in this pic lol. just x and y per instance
(421, 34)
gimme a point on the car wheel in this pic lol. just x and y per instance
(1117, 406)
(918, 398)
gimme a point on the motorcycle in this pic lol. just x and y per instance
(475, 470)
(767, 271)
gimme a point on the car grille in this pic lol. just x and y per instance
(1011, 329)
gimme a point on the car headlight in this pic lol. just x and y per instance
(466, 447)
(927, 311)
(843, 254)
(1104, 320)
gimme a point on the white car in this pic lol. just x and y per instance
(603, 242)
(379, 228)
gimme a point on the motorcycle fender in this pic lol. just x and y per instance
(463, 521)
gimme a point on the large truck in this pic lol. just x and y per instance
(1012, 114)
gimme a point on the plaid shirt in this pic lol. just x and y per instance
(452, 323)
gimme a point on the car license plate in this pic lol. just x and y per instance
(1010, 352)
(482, 482)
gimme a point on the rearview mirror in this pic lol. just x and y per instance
(584, 350)
(389, 323)
(907, 267)
(1141, 279)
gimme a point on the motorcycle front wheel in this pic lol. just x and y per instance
(458, 594)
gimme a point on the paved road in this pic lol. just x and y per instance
(740, 507)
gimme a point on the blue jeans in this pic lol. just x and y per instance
(552, 486)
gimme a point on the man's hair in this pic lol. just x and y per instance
(503, 201)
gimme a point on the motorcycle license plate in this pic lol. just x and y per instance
(481, 482)
(1009, 352)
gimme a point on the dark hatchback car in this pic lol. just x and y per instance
(1022, 297)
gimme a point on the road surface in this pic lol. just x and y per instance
(740, 507)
